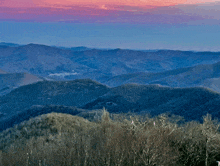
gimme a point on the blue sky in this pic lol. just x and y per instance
(106, 35)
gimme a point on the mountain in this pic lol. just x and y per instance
(100, 65)
(110, 63)
(35, 111)
(10, 81)
(35, 59)
(207, 75)
(191, 103)
(66, 93)
(41, 126)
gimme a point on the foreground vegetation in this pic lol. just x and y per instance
(61, 139)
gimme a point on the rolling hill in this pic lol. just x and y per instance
(191, 103)
(67, 93)
(37, 110)
(42, 126)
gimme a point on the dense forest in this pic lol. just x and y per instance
(112, 139)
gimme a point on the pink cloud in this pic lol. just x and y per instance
(18, 4)
(27, 10)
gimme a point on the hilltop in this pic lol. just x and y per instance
(43, 125)
(63, 139)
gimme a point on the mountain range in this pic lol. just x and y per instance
(100, 65)
(191, 103)
(38, 79)
(206, 75)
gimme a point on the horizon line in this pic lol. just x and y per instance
(11, 44)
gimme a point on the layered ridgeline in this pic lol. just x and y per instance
(10, 81)
(198, 76)
(99, 65)
(3, 44)
(191, 103)
(202, 75)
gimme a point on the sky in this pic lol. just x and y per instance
(127, 24)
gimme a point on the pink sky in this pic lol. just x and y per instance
(96, 3)
(120, 11)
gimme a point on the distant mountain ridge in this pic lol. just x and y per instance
(80, 48)
(96, 64)
(120, 80)
(8, 44)
(207, 75)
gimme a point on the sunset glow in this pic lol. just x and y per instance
(96, 3)
(117, 13)
(112, 10)
(140, 3)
